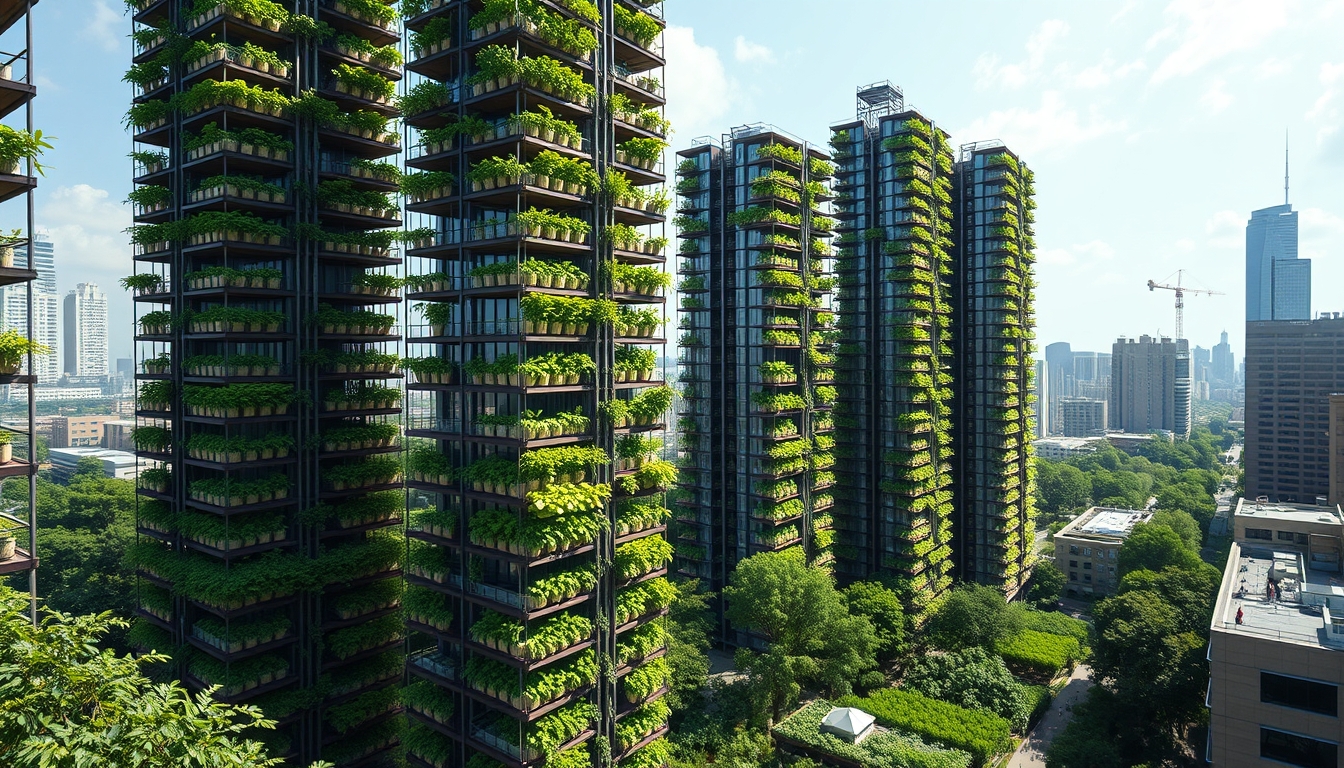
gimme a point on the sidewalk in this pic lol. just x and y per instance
(1031, 753)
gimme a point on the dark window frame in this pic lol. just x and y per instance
(1300, 693)
(1285, 751)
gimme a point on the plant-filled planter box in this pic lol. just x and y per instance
(355, 405)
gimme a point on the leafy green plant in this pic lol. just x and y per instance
(982, 734)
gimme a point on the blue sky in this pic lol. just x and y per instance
(1154, 128)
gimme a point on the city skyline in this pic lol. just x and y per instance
(1129, 88)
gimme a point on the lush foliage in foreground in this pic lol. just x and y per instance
(982, 734)
(880, 750)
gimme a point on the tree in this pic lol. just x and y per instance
(1154, 547)
(1143, 656)
(973, 616)
(688, 630)
(88, 467)
(882, 607)
(1190, 592)
(1062, 486)
(811, 636)
(66, 703)
(83, 534)
(1182, 523)
(1046, 584)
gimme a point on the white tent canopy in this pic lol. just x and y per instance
(848, 723)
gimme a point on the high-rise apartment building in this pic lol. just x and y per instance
(1200, 363)
(1335, 472)
(85, 334)
(756, 353)
(537, 256)
(270, 546)
(1083, 417)
(1278, 283)
(1151, 387)
(1223, 369)
(894, 453)
(1292, 368)
(46, 315)
(994, 395)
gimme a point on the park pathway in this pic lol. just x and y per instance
(1031, 753)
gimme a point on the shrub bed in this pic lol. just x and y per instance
(1053, 623)
(888, 749)
(1041, 653)
(982, 734)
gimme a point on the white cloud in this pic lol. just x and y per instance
(1273, 67)
(1083, 256)
(699, 91)
(990, 73)
(1207, 30)
(1216, 98)
(1321, 232)
(104, 27)
(1226, 229)
(1053, 126)
(1325, 111)
(1102, 73)
(746, 51)
(85, 225)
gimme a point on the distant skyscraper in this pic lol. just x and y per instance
(1278, 283)
(1059, 364)
(1224, 369)
(1202, 361)
(86, 331)
(14, 313)
(1150, 385)
(1043, 400)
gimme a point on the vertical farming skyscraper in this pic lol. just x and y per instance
(23, 282)
(537, 559)
(993, 373)
(894, 263)
(269, 554)
(755, 361)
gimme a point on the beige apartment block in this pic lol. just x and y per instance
(1086, 549)
(1276, 648)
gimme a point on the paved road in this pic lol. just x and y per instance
(1031, 753)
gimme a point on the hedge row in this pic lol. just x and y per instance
(1040, 652)
(888, 749)
(983, 734)
(1053, 623)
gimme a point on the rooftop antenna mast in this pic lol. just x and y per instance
(1285, 166)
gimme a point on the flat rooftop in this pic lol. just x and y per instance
(1105, 522)
(1113, 522)
(1295, 615)
(1300, 513)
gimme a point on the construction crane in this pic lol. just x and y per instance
(1180, 298)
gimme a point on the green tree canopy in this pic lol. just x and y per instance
(689, 627)
(811, 635)
(88, 467)
(1046, 584)
(972, 616)
(1154, 547)
(882, 607)
(1183, 524)
(66, 703)
(1062, 487)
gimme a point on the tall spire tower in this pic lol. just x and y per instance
(1285, 167)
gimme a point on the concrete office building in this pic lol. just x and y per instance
(1278, 283)
(1087, 548)
(1059, 365)
(118, 464)
(1275, 664)
(1292, 368)
(1083, 417)
(1150, 386)
(78, 431)
(1200, 363)
(117, 435)
(86, 331)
